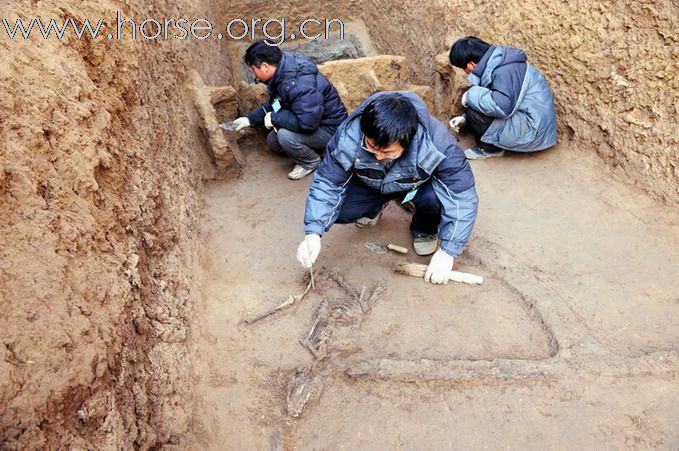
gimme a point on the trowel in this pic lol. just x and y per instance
(228, 126)
(379, 249)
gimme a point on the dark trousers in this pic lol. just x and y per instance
(305, 148)
(477, 124)
(363, 201)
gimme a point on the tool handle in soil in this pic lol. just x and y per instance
(311, 268)
(397, 248)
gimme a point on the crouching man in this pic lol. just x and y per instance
(390, 148)
(304, 109)
(510, 105)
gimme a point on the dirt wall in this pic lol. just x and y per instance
(99, 193)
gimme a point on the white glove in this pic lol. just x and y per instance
(241, 123)
(439, 267)
(308, 250)
(267, 120)
(464, 99)
(457, 122)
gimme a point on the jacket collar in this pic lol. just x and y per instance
(477, 74)
(279, 74)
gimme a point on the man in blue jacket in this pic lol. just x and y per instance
(391, 148)
(304, 108)
(510, 105)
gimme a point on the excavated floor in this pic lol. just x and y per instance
(583, 300)
(578, 311)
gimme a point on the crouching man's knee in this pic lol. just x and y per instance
(288, 139)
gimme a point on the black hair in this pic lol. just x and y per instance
(389, 118)
(469, 49)
(262, 52)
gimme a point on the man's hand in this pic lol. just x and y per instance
(457, 123)
(308, 250)
(241, 123)
(439, 267)
(267, 121)
(464, 99)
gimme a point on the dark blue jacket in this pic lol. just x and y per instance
(433, 156)
(308, 99)
(509, 89)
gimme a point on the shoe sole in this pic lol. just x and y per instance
(482, 157)
(302, 176)
(425, 248)
(426, 251)
(368, 224)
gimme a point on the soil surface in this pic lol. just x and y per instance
(570, 343)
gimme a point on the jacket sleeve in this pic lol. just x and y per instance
(256, 116)
(286, 119)
(499, 99)
(305, 111)
(453, 184)
(327, 194)
(458, 216)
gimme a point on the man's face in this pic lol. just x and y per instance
(391, 152)
(470, 68)
(264, 72)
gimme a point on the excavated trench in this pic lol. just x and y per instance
(135, 237)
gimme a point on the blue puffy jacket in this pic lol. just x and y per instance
(307, 99)
(508, 88)
(432, 156)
